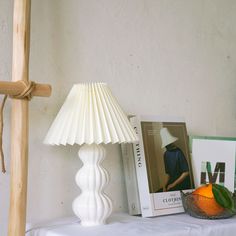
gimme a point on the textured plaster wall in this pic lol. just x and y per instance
(160, 57)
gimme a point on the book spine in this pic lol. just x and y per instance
(130, 179)
(141, 170)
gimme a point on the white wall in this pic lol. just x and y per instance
(160, 57)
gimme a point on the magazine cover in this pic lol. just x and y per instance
(213, 160)
(163, 165)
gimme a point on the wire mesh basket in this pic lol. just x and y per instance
(193, 208)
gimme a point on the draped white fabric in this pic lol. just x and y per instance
(90, 114)
(122, 224)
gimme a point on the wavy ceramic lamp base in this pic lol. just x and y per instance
(93, 206)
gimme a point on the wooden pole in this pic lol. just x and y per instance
(20, 89)
(19, 120)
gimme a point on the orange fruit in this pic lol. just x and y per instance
(206, 201)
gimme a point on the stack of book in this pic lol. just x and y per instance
(160, 164)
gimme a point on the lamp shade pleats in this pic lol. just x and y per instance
(90, 114)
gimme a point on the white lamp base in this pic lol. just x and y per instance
(92, 206)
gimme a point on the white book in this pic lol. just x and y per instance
(141, 170)
(214, 160)
(130, 179)
(150, 167)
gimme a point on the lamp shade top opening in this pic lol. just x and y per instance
(90, 114)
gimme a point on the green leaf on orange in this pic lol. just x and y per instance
(223, 197)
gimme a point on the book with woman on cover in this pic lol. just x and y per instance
(163, 165)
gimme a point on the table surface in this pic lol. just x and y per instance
(125, 225)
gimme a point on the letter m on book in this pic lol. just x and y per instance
(209, 176)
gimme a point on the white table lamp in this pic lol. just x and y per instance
(91, 116)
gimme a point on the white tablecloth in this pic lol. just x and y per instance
(125, 225)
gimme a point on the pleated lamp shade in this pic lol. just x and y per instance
(90, 114)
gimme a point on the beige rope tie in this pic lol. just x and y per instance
(26, 94)
(1, 133)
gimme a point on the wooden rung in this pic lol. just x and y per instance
(15, 88)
